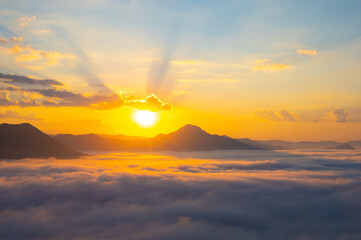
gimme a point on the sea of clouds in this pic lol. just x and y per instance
(253, 195)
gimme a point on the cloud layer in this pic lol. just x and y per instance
(222, 195)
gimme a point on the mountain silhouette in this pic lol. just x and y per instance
(187, 138)
(279, 144)
(193, 138)
(345, 146)
(355, 144)
(25, 141)
(260, 145)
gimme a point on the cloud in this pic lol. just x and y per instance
(61, 94)
(268, 65)
(42, 31)
(16, 40)
(339, 115)
(55, 96)
(186, 62)
(107, 102)
(19, 79)
(286, 116)
(307, 52)
(94, 198)
(5, 101)
(151, 103)
(24, 21)
(16, 115)
(10, 89)
(276, 116)
(235, 166)
(3, 40)
(29, 54)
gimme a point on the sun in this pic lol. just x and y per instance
(145, 118)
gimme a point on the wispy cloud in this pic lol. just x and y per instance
(307, 52)
(24, 21)
(282, 115)
(16, 115)
(268, 65)
(26, 53)
(42, 31)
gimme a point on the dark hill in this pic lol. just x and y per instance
(355, 144)
(345, 146)
(25, 141)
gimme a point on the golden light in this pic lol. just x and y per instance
(145, 118)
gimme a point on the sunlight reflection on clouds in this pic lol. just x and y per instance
(195, 195)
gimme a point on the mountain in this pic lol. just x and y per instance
(193, 138)
(187, 138)
(259, 144)
(345, 146)
(300, 145)
(356, 144)
(25, 141)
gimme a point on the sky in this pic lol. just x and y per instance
(258, 69)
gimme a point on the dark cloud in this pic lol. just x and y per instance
(61, 94)
(9, 88)
(3, 40)
(57, 199)
(18, 79)
(339, 115)
(53, 96)
(5, 101)
(286, 116)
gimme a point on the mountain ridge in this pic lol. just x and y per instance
(187, 138)
(345, 146)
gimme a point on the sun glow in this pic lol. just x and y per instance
(145, 118)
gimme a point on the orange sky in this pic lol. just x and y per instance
(266, 73)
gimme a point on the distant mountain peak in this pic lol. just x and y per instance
(191, 129)
(345, 146)
(25, 127)
(16, 125)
